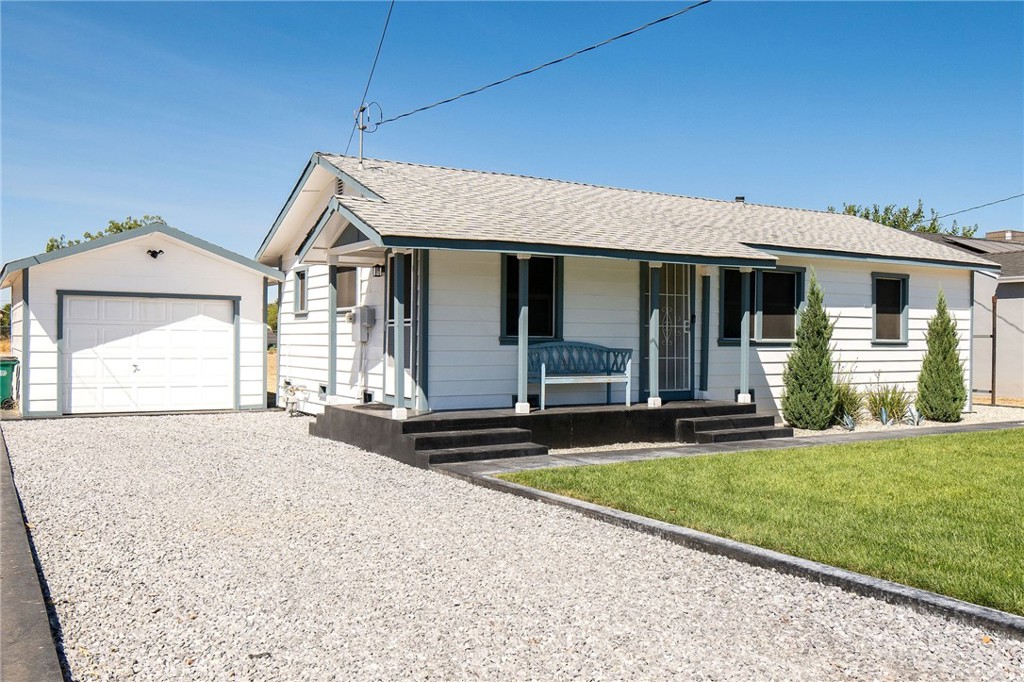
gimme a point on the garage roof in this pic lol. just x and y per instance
(12, 268)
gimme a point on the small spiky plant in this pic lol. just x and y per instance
(941, 394)
(809, 400)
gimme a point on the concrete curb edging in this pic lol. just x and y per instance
(858, 583)
(27, 649)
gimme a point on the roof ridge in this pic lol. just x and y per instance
(587, 184)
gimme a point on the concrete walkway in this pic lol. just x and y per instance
(494, 467)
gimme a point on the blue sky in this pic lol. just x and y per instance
(205, 113)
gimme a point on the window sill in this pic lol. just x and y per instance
(883, 342)
(727, 343)
(514, 340)
(301, 314)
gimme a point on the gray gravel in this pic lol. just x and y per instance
(236, 546)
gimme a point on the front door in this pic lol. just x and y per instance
(675, 306)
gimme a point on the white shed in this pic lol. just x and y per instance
(151, 320)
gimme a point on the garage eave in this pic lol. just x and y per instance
(8, 271)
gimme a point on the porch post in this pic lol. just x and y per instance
(399, 411)
(744, 394)
(653, 337)
(522, 397)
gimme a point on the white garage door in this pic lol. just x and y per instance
(147, 354)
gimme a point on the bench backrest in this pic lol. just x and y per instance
(576, 357)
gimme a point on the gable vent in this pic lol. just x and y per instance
(339, 186)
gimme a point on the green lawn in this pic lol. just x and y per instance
(943, 513)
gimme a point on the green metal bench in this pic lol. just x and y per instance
(575, 362)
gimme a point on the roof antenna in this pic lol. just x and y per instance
(361, 125)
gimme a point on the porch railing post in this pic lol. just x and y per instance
(522, 397)
(744, 393)
(399, 411)
(653, 337)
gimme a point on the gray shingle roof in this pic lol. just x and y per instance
(1012, 262)
(435, 202)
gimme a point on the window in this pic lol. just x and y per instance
(346, 287)
(301, 292)
(889, 299)
(545, 297)
(775, 299)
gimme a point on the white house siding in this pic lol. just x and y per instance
(360, 366)
(468, 365)
(846, 286)
(303, 339)
(125, 267)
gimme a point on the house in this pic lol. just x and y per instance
(1003, 294)
(406, 280)
(149, 320)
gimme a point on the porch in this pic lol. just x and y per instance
(426, 439)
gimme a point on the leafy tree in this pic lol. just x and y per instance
(809, 396)
(905, 218)
(114, 227)
(272, 315)
(941, 395)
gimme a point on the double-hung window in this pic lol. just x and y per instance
(889, 297)
(775, 300)
(544, 300)
(346, 287)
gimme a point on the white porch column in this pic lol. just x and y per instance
(522, 397)
(654, 337)
(744, 394)
(399, 411)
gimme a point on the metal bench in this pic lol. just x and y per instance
(575, 362)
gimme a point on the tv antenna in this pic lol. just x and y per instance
(366, 122)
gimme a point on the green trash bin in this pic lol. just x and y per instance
(7, 366)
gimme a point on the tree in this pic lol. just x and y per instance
(114, 227)
(941, 395)
(5, 321)
(906, 219)
(809, 396)
(272, 315)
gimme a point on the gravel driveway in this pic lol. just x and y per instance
(235, 546)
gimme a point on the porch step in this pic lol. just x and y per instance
(751, 433)
(438, 440)
(688, 427)
(478, 452)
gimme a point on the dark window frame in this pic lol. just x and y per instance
(757, 305)
(904, 280)
(558, 299)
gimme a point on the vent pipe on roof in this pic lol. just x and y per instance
(741, 199)
(1009, 235)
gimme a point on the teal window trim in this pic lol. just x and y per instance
(757, 306)
(559, 292)
(301, 292)
(904, 280)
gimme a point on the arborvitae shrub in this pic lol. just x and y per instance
(941, 394)
(809, 398)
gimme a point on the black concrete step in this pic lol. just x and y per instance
(754, 433)
(436, 440)
(686, 429)
(438, 422)
(479, 452)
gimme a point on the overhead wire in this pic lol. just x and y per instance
(553, 62)
(369, 78)
(972, 208)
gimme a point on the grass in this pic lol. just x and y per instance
(943, 513)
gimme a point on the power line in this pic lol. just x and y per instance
(972, 208)
(546, 64)
(369, 79)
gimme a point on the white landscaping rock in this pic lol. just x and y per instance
(236, 546)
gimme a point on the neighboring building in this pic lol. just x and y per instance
(150, 320)
(457, 241)
(1005, 290)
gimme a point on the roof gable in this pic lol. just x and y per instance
(154, 228)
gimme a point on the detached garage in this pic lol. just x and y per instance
(151, 320)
